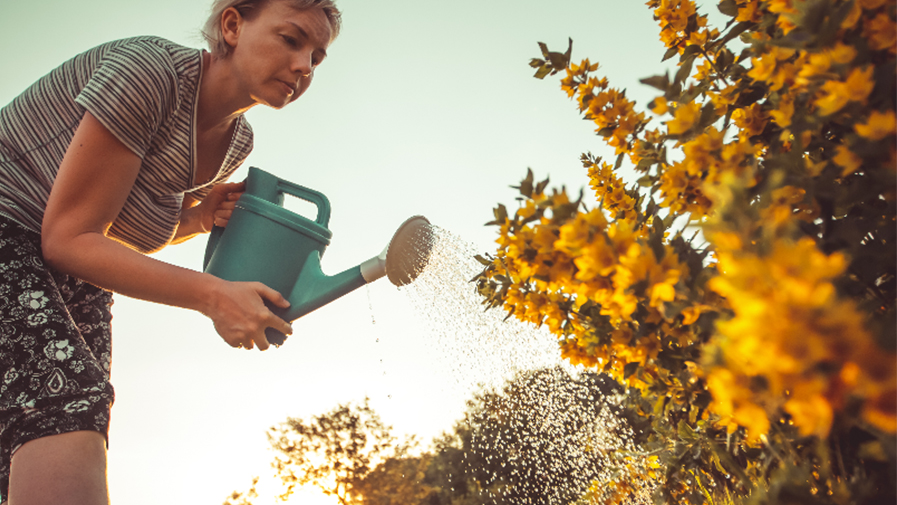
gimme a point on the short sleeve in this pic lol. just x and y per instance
(132, 92)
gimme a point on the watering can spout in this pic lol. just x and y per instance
(401, 261)
(314, 288)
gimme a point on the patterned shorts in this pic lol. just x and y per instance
(55, 349)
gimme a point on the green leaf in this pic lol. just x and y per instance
(708, 115)
(544, 49)
(673, 51)
(655, 241)
(659, 405)
(686, 434)
(607, 131)
(536, 62)
(630, 368)
(734, 32)
(728, 7)
(569, 52)
(693, 49)
(526, 185)
(558, 61)
(500, 213)
(661, 82)
(542, 72)
(482, 260)
(684, 69)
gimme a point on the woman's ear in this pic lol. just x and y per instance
(231, 26)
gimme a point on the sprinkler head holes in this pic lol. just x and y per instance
(409, 250)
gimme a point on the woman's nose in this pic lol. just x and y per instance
(302, 63)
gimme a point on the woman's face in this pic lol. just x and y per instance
(275, 52)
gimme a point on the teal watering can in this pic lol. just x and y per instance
(267, 243)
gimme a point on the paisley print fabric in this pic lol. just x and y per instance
(55, 349)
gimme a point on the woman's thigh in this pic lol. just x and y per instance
(64, 469)
(54, 350)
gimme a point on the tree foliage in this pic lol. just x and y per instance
(543, 438)
(334, 451)
(759, 338)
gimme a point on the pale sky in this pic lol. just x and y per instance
(422, 107)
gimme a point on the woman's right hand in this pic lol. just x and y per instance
(240, 316)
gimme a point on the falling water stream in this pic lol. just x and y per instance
(484, 348)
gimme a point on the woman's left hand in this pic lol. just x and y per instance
(217, 207)
(214, 210)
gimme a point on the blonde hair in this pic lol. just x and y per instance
(248, 8)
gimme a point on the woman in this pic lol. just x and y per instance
(121, 151)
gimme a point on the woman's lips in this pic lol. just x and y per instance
(288, 88)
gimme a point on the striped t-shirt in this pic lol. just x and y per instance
(145, 91)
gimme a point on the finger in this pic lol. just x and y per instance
(262, 342)
(280, 325)
(223, 213)
(272, 295)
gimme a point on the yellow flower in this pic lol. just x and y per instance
(751, 119)
(846, 159)
(754, 418)
(860, 83)
(750, 12)
(815, 64)
(881, 32)
(811, 414)
(856, 87)
(763, 67)
(834, 98)
(842, 53)
(684, 118)
(878, 125)
(596, 260)
(852, 17)
(881, 412)
(705, 70)
(782, 115)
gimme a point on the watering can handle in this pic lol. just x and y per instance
(309, 195)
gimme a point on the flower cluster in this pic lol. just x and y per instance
(775, 321)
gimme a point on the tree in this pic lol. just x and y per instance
(333, 451)
(758, 338)
(396, 481)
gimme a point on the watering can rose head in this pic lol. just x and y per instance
(264, 242)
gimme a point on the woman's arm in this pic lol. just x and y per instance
(91, 187)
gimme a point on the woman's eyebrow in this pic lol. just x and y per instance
(305, 35)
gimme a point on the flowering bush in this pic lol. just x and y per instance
(743, 287)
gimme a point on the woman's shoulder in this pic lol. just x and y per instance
(149, 51)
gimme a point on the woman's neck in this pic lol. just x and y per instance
(221, 102)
